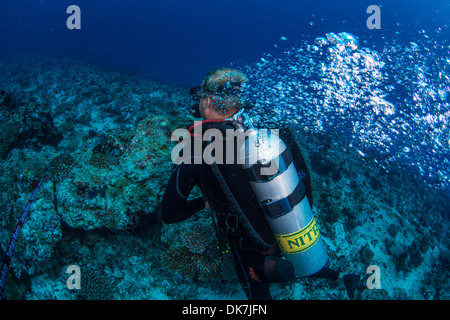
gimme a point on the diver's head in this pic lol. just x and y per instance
(220, 93)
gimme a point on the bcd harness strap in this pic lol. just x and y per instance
(285, 205)
(243, 220)
(241, 217)
(254, 172)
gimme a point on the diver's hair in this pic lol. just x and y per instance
(218, 77)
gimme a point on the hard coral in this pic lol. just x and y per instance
(149, 143)
(60, 166)
(197, 239)
(9, 131)
(192, 265)
(197, 258)
(94, 285)
(107, 152)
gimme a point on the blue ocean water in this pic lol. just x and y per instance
(178, 40)
(381, 94)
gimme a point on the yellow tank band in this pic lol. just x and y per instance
(299, 241)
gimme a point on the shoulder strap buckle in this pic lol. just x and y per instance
(231, 221)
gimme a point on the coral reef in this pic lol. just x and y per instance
(24, 122)
(60, 167)
(203, 267)
(197, 256)
(116, 182)
(97, 174)
(94, 285)
(198, 238)
(105, 150)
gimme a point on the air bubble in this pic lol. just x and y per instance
(387, 102)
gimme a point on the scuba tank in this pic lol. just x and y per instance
(268, 164)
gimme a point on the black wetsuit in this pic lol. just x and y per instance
(253, 263)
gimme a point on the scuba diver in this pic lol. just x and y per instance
(261, 208)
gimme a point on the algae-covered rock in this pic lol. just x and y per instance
(115, 181)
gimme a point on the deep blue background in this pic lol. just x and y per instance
(180, 40)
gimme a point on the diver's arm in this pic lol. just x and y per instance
(175, 205)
